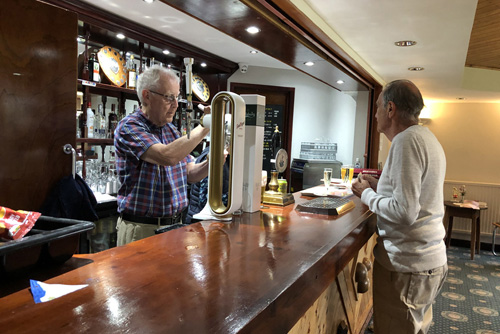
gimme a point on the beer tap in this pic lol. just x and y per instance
(188, 112)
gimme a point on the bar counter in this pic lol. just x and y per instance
(259, 274)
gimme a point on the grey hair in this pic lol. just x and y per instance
(407, 98)
(149, 79)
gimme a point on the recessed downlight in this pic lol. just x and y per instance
(416, 68)
(149, 1)
(405, 43)
(309, 63)
(461, 98)
(166, 52)
(340, 82)
(120, 36)
(252, 30)
(203, 64)
(254, 52)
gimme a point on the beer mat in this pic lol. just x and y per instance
(200, 88)
(113, 65)
(333, 191)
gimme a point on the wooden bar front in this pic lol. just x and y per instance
(259, 274)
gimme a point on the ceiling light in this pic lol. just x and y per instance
(340, 82)
(253, 30)
(148, 1)
(120, 36)
(254, 52)
(405, 43)
(309, 63)
(166, 52)
(203, 64)
(80, 40)
(415, 68)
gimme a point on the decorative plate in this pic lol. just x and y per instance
(200, 88)
(113, 65)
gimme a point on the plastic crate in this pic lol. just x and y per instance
(51, 240)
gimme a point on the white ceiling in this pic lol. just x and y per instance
(370, 28)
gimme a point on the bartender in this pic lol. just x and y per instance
(153, 160)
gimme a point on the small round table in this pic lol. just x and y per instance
(453, 209)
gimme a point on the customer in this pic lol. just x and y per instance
(153, 161)
(410, 255)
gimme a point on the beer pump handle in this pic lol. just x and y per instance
(188, 62)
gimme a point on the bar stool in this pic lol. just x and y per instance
(497, 225)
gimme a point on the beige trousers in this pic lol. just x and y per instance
(402, 302)
(128, 231)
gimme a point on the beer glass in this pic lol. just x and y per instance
(346, 173)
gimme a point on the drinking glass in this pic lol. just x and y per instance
(346, 173)
(327, 177)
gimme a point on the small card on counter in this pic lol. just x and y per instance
(43, 292)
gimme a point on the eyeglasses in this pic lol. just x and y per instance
(167, 98)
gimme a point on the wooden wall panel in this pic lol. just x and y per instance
(341, 302)
(37, 100)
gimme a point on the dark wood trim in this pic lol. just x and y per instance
(308, 33)
(288, 112)
(109, 21)
(373, 135)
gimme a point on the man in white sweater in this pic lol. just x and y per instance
(410, 255)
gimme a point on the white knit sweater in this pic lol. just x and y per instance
(409, 203)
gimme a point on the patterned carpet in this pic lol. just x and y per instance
(469, 302)
(470, 299)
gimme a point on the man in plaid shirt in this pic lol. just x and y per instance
(153, 160)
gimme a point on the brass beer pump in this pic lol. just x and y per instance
(273, 196)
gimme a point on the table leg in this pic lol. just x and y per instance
(473, 238)
(448, 233)
(478, 234)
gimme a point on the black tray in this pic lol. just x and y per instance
(51, 240)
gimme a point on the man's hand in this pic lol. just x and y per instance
(358, 186)
(205, 109)
(371, 180)
(363, 182)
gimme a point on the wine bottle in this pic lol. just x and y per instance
(94, 68)
(131, 73)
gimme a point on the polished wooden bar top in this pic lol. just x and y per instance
(258, 274)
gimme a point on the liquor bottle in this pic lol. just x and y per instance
(112, 122)
(131, 73)
(97, 123)
(94, 68)
(90, 121)
(102, 127)
(357, 164)
(275, 142)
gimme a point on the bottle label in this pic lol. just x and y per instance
(95, 72)
(131, 79)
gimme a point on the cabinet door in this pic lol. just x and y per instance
(38, 53)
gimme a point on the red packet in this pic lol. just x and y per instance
(15, 224)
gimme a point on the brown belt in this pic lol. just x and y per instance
(177, 218)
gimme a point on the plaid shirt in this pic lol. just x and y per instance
(148, 190)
